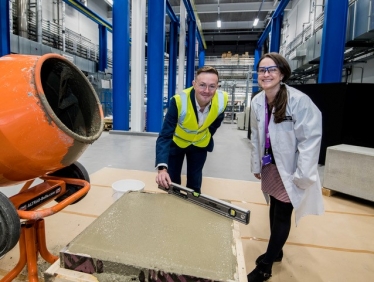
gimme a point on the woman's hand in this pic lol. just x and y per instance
(257, 175)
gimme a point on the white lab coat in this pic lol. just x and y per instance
(296, 144)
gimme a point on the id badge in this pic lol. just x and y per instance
(266, 159)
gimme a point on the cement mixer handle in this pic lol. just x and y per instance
(216, 205)
(41, 213)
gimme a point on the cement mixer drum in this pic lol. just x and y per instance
(49, 114)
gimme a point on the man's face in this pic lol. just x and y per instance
(205, 86)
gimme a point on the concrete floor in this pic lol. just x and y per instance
(336, 246)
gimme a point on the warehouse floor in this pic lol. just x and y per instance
(336, 246)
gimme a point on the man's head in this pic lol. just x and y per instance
(205, 85)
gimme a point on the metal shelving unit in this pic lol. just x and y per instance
(236, 79)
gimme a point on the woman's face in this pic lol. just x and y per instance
(269, 75)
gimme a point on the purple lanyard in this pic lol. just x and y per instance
(267, 142)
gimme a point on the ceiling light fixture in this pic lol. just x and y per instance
(219, 20)
(255, 22)
(109, 2)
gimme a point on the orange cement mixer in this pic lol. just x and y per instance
(49, 115)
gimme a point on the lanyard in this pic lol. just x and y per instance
(267, 140)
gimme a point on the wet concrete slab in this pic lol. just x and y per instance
(156, 237)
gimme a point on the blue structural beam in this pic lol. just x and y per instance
(276, 27)
(200, 40)
(121, 65)
(201, 56)
(173, 41)
(190, 12)
(171, 14)
(4, 28)
(333, 41)
(190, 67)
(90, 14)
(173, 49)
(155, 65)
(103, 47)
(254, 73)
(279, 10)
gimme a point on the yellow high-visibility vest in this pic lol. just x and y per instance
(188, 131)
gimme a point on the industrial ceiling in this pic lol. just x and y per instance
(237, 33)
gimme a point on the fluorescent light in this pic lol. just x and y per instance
(219, 23)
(255, 22)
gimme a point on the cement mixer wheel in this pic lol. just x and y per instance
(75, 170)
(10, 225)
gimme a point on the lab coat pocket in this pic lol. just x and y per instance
(286, 137)
(286, 125)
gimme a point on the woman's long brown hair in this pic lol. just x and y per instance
(280, 101)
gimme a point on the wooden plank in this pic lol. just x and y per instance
(57, 274)
(327, 192)
(241, 270)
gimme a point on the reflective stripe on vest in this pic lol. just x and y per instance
(183, 95)
(184, 136)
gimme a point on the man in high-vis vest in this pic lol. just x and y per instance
(190, 123)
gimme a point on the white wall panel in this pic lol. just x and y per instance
(76, 21)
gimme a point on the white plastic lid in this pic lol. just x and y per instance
(125, 185)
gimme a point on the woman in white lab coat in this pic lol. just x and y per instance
(286, 130)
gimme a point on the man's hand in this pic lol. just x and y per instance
(163, 178)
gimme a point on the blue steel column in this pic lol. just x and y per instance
(155, 64)
(201, 56)
(190, 68)
(121, 62)
(276, 26)
(254, 73)
(103, 48)
(4, 28)
(333, 41)
(172, 60)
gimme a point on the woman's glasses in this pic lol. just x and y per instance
(270, 70)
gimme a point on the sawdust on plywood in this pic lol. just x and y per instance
(112, 277)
